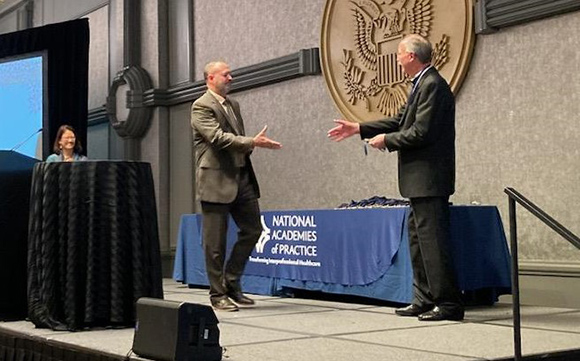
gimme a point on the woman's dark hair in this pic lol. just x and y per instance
(59, 133)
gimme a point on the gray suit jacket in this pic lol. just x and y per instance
(424, 135)
(220, 151)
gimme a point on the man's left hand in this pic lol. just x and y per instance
(378, 142)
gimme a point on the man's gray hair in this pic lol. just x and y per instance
(419, 46)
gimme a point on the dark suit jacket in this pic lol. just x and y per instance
(220, 151)
(424, 135)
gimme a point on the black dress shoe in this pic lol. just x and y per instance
(412, 310)
(441, 314)
(241, 299)
(224, 304)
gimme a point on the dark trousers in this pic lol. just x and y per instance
(225, 276)
(433, 276)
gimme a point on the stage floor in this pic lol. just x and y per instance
(308, 329)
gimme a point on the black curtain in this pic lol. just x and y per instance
(67, 53)
(67, 48)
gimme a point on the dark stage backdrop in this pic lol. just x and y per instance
(67, 48)
(67, 45)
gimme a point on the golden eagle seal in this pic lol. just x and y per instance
(359, 49)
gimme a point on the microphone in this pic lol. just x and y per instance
(25, 140)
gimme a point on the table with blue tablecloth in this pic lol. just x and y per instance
(360, 252)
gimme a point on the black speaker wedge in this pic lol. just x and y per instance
(176, 331)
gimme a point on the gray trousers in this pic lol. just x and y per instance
(225, 276)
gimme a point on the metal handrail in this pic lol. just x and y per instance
(543, 216)
(515, 196)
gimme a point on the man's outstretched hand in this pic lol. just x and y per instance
(262, 141)
(343, 130)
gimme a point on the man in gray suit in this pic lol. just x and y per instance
(226, 184)
(423, 134)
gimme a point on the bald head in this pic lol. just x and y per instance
(211, 67)
(217, 75)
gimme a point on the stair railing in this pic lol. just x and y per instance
(514, 196)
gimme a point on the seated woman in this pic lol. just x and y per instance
(66, 147)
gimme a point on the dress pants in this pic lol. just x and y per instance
(434, 280)
(245, 211)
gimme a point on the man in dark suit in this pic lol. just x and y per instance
(423, 134)
(225, 184)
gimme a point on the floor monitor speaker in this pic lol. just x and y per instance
(176, 331)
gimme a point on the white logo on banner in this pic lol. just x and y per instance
(264, 237)
(294, 239)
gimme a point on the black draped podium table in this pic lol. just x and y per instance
(93, 245)
(15, 180)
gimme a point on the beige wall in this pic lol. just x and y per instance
(98, 57)
(516, 126)
(252, 31)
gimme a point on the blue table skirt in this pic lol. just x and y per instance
(361, 252)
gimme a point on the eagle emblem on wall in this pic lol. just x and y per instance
(371, 70)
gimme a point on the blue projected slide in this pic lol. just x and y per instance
(21, 102)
